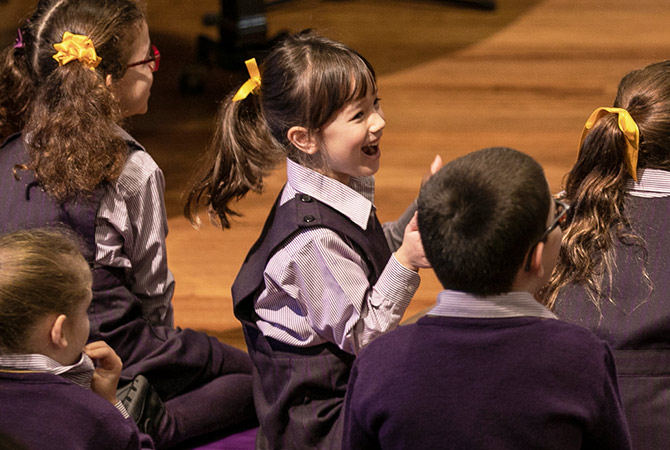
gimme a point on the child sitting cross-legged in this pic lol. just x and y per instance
(57, 392)
(488, 367)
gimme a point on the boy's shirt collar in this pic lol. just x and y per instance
(355, 201)
(511, 304)
(80, 373)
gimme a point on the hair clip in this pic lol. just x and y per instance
(76, 47)
(253, 84)
(629, 129)
(18, 43)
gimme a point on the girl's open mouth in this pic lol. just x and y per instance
(371, 150)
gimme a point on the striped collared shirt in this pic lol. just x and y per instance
(316, 286)
(511, 304)
(80, 373)
(651, 183)
(131, 227)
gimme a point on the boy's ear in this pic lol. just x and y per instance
(302, 139)
(57, 332)
(536, 260)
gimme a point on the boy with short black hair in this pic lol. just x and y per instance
(488, 367)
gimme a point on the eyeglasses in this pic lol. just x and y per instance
(561, 214)
(155, 59)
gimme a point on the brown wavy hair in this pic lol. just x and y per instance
(68, 115)
(595, 185)
(306, 79)
(41, 272)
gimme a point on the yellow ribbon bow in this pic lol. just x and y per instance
(252, 85)
(629, 129)
(76, 47)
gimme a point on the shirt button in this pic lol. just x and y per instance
(305, 198)
(308, 218)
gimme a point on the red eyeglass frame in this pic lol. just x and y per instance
(156, 59)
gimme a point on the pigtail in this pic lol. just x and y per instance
(595, 190)
(71, 133)
(241, 154)
(16, 93)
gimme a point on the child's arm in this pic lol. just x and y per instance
(108, 367)
(130, 232)
(317, 287)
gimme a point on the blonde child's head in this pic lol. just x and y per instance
(42, 274)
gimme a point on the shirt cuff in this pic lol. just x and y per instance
(397, 283)
(122, 409)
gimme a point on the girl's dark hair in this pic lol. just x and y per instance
(479, 216)
(41, 272)
(595, 185)
(305, 80)
(68, 114)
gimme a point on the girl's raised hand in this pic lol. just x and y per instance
(411, 254)
(108, 367)
(434, 167)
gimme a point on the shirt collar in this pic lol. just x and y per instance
(79, 373)
(651, 183)
(511, 304)
(123, 134)
(355, 200)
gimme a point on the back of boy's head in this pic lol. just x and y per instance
(479, 216)
(41, 272)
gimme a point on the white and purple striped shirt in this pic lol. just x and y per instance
(80, 373)
(651, 183)
(130, 231)
(510, 304)
(316, 286)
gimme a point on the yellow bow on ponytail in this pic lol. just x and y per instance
(76, 47)
(629, 129)
(252, 85)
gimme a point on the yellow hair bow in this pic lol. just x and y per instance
(630, 131)
(79, 47)
(252, 85)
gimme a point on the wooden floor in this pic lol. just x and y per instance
(452, 80)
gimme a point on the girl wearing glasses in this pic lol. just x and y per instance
(77, 69)
(612, 273)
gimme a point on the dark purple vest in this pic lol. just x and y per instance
(299, 392)
(636, 324)
(24, 205)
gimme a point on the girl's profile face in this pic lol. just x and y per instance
(350, 140)
(134, 88)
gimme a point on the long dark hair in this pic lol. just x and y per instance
(68, 114)
(306, 79)
(595, 185)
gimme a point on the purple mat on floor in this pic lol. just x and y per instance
(244, 440)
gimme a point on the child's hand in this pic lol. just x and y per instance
(434, 167)
(108, 367)
(411, 254)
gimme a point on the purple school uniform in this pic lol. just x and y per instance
(44, 411)
(485, 384)
(298, 392)
(192, 372)
(636, 323)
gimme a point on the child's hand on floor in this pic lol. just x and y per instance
(411, 254)
(108, 367)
